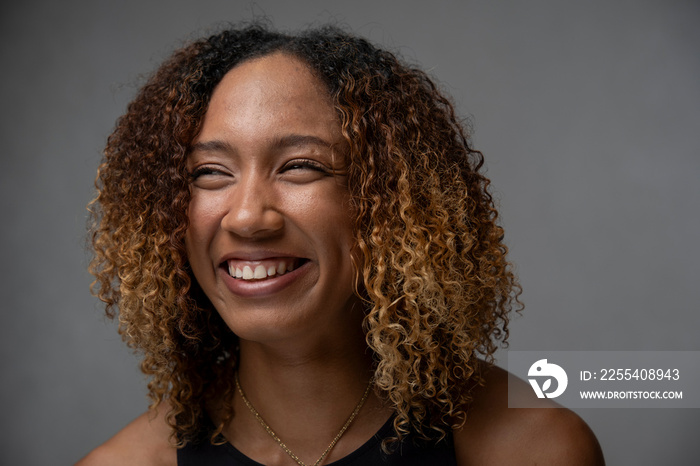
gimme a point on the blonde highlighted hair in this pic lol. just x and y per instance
(432, 261)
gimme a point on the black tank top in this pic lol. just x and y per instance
(409, 453)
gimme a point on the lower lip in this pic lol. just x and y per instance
(262, 288)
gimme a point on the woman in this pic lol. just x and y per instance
(296, 235)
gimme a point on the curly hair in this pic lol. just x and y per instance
(432, 263)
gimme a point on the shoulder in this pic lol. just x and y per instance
(144, 442)
(548, 435)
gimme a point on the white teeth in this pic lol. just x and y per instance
(260, 272)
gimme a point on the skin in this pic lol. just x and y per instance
(274, 190)
(268, 185)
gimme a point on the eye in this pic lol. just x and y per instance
(304, 171)
(305, 164)
(208, 177)
(202, 171)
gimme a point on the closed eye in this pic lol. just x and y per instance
(208, 177)
(202, 171)
(305, 164)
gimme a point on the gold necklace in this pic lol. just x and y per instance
(281, 443)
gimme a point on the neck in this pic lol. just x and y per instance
(324, 362)
(326, 375)
(305, 393)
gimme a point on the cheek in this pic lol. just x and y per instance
(330, 214)
(345, 222)
(337, 223)
(203, 222)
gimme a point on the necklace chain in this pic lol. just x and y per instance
(279, 441)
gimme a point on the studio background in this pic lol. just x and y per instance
(587, 112)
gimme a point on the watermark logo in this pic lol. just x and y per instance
(543, 369)
(604, 379)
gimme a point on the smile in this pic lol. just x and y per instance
(262, 269)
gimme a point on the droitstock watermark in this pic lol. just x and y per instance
(604, 379)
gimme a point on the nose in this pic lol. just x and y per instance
(252, 210)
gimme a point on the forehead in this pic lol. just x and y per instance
(278, 88)
(279, 68)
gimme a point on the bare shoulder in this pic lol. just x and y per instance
(495, 434)
(144, 442)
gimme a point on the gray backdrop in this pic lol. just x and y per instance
(588, 113)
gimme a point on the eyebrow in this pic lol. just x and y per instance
(291, 140)
(211, 146)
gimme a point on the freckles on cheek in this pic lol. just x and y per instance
(201, 227)
(203, 211)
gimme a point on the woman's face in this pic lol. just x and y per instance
(270, 232)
